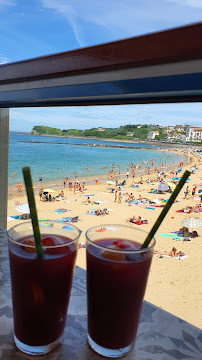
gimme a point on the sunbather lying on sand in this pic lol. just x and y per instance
(137, 220)
(172, 253)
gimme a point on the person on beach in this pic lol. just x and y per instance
(88, 200)
(83, 186)
(115, 195)
(62, 193)
(64, 182)
(20, 186)
(184, 231)
(74, 187)
(120, 197)
(193, 191)
(130, 199)
(127, 174)
(172, 253)
(137, 220)
(70, 185)
(40, 194)
(186, 193)
(40, 178)
(13, 175)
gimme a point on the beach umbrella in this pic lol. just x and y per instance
(163, 187)
(173, 186)
(49, 190)
(23, 209)
(192, 223)
(110, 182)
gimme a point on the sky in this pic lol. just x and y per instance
(35, 28)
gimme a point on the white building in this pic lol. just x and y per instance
(152, 134)
(129, 134)
(194, 133)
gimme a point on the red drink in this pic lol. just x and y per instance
(116, 283)
(41, 289)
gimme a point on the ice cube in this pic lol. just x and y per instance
(113, 255)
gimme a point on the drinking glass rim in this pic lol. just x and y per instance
(43, 246)
(150, 247)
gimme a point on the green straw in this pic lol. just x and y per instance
(33, 213)
(165, 209)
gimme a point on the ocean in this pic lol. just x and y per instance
(54, 161)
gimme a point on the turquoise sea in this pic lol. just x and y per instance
(55, 161)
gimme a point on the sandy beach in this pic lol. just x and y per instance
(174, 284)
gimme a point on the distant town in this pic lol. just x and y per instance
(168, 134)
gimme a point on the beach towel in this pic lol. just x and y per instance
(167, 235)
(149, 208)
(183, 238)
(61, 210)
(70, 228)
(68, 219)
(10, 218)
(180, 257)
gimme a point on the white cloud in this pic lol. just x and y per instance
(69, 13)
(4, 60)
(190, 3)
(6, 3)
(123, 19)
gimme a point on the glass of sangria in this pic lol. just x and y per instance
(41, 287)
(117, 273)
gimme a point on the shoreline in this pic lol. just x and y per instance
(90, 180)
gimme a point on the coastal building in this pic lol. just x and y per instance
(129, 134)
(194, 133)
(100, 129)
(152, 135)
(179, 128)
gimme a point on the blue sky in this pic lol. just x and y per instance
(40, 27)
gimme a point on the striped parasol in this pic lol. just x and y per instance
(192, 223)
(23, 209)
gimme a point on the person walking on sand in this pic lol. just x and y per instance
(20, 186)
(130, 199)
(120, 197)
(83, 186)
(115, 195)
(64, 182)
(186, 193)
